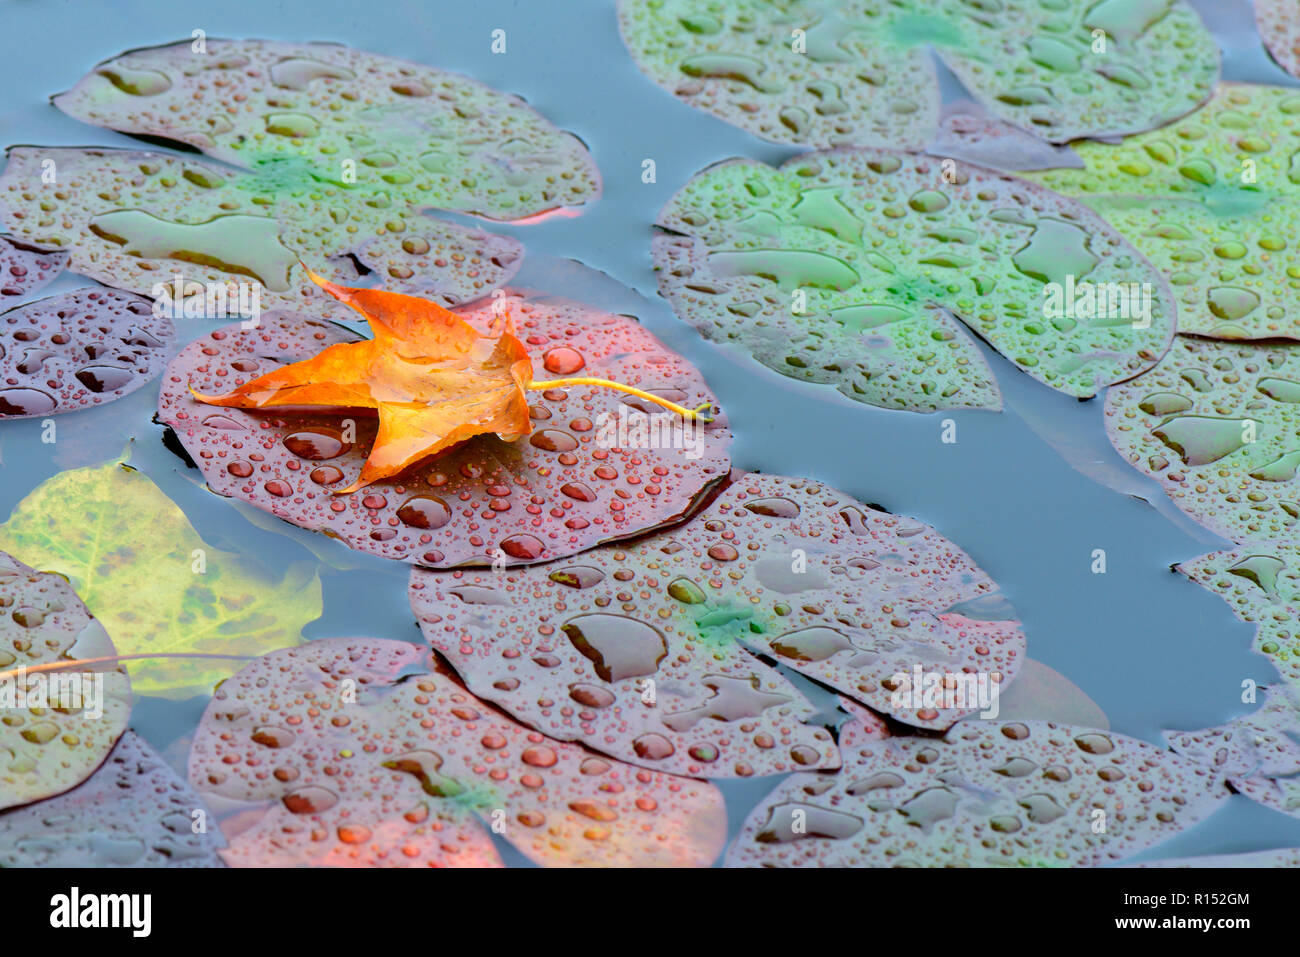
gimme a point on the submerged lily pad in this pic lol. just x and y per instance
(1010, 794)
(363, 755)
(1258, 753)
(838, 268)
(79, 349)
(1218, 425)
(574, 483)
(644, 651)
(1279, 27)
(141, 568)
(1261, 583)
(58, 725)
(132, 812)
(322, 114)
(25, 269)
(857, 73)
(137, 219)
(1211, 201)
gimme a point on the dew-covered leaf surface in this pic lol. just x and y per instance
(566, 487)
(1211, 201)
(55, 732)
(1279, 27)
(644, 651)
(79, 349)
(1005, 794)
(25, 270)
(326, 114)
(136, 219)
(1217, 424)
(362, 755)
(968, 133)
(1258, 754)
(838, 267)
(857, 72)
(132, 812)
(156, 585)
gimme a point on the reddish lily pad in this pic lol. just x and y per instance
(562, 490)
(1218, 426)
(1010, 794)
(79, 349)
(137, 219)
(1258, 753)
(307, 110)
(845, 266)
(1279, 27)
(644, 651)
(360, 754)
(55, 732)
(25, 269)
(132, 812)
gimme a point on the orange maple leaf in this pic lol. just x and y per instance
(434, 380)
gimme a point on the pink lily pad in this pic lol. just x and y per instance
(559, 492)
(25, 269)
(1008, 794)
(357, 753)
(79, 349)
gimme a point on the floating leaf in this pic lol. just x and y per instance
(59, 725)
(569, 486)
(363, 756)
(1209, 200)
(139, 565)
(320, 113)
(1012, 794)
(79, 349)
(1258, 753)
(641, 651)
(1041, 693)
(1218, 426)
(857, 73)
(25, 269)
(968, 134)
(834, 268)
(136, 220)
(1279, 27)
(132, 812)
(1261, 583)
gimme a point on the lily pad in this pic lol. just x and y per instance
(59, 725)
(857, 73)
(320, 114)
(137, 219)
(567, 487)
(132, 812)
(644, 651)
(1259, 753)
(1217, 424)
(1210, 201)
(1279, 28)
(1009, 794)
(79, 349)
(1261, 583)
(25, 269)
(839, 267)
(139, 565)
(361, 754)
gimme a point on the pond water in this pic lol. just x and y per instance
(1029, 493)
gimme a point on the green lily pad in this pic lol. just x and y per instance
(1261, 583)
(141, 568)
(1210, 200)
(987, 794)
(1217, 424)
(137, 219)
(357, 752)
(58, 725)
(840, 267)
(1278, 22)
(320, 115)
(856, 72)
